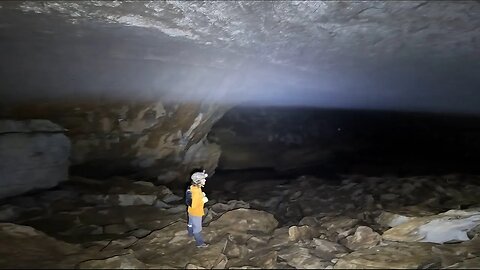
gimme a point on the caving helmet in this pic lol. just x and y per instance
(198, 178)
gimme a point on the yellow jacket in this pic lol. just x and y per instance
(197, 202)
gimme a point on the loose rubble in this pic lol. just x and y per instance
(359, 222)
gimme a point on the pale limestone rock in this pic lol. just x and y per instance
(364, 237)
(243, 220)
(296, 233)
(452, 225)
(389, 219)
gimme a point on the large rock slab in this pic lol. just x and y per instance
(364, 237)
(328, 250)
(34, 154)
(392, 256)
(452, 225)
(242, 221)
(25, 247)
(171, 247)
(300, 257)
(296, 233)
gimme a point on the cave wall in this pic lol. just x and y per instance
(142, 139)
(347, 141)
(33, 154)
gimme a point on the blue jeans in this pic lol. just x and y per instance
(194, 228)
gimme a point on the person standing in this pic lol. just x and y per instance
(195, 199)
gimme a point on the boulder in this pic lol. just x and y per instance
(472, 263)
(264, 260)
(364, 237)
(392, 256)
(297, 233)
(242, 221)
(452, 225)
(327, 250)
(233, 250)
(279, 238)
(389, 219)
(255, 242)
(453, 253)
(300, 257)
(25, 247)
(338, 227)
(34, 154)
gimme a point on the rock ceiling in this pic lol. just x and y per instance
(270, 39)
(303, 34)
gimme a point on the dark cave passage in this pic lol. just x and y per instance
(296, 141)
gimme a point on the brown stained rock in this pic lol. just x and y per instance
(300, 257)
(265, 261)
(172, 247)
(211, 257)
(364, 237)
(256, 242)
(234, 250)
(473, 263)
(338, 227)
(453, 253)
(392, 256)
(242, 221)
(259, 259)
(156, 249)
(338, 223)
(389, 219)
(193, 266)
(296, 233)
(327, 250)
(279, 238)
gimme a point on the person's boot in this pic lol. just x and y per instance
(202, 245)
(199, 240)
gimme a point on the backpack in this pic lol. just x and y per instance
(188, 197)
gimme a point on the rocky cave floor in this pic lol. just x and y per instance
(308, 222)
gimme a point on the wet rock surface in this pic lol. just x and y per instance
(424, 222)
